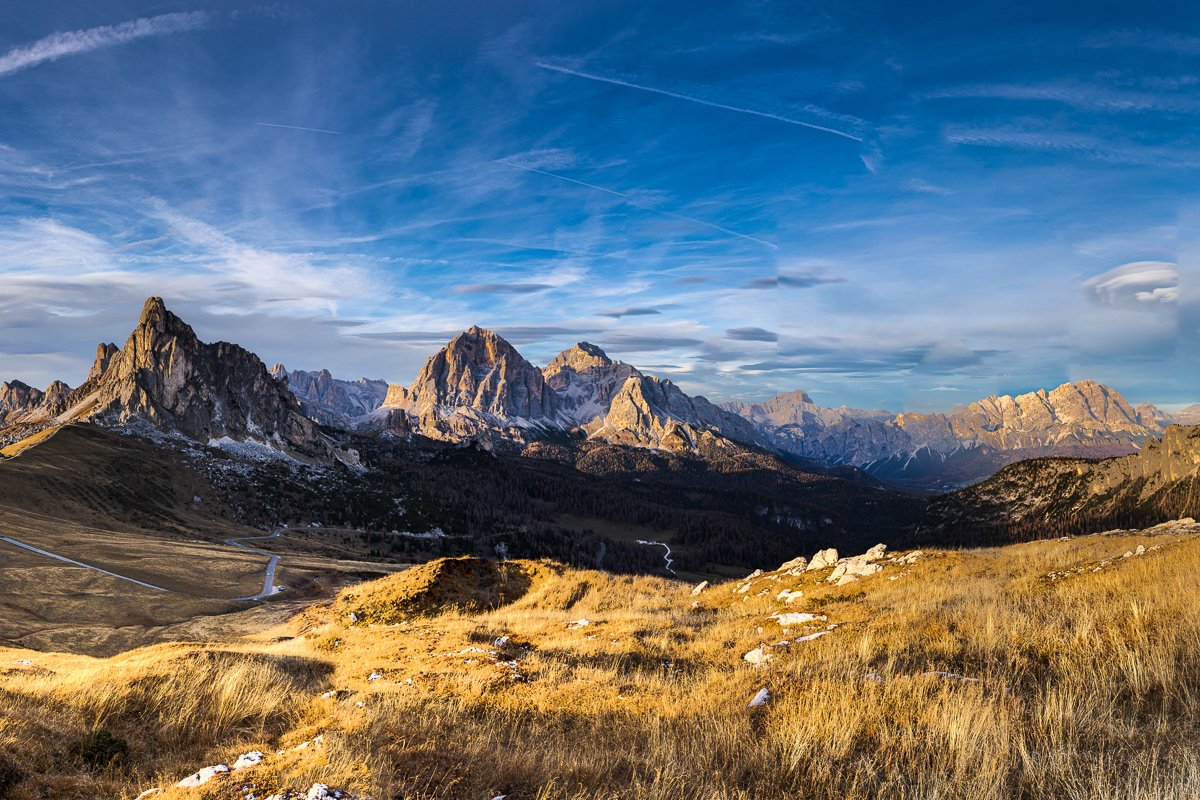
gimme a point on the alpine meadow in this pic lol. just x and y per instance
(758, 400)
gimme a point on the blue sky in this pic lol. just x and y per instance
(897, 205)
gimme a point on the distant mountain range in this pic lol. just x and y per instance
(944, 450)
(480, 388)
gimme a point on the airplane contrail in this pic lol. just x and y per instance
(764, 114)
(297, 128)
(642, 206)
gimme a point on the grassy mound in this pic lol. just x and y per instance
(466, 584)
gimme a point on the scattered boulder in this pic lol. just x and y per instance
(789, 597)
(797, 618)
(758, 657)
(850, 569)
(579, 623)
(875, 552)
(246, 760)
(202, 776)
(800, 562)
(761, 699)
(823, 559)
(700, 587)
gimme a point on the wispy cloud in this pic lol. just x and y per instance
(629, 199)
(70, 43)
(753, 112)
(1072, 93)
(501, 288)
(752, 335)
(630, 312)
(1069, 142)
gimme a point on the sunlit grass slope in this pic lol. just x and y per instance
(1061, 669)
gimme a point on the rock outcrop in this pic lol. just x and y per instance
(167, 377)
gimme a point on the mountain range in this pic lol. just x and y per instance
(478, 387)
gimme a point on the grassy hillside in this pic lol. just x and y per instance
(1061, 669)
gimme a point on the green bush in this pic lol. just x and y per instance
(102, 749)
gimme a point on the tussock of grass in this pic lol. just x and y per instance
(1087, 687)
(466, 584)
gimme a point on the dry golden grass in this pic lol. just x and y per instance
(1086, 687)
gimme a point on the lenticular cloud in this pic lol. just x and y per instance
(1144, 284)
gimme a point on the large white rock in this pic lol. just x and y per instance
(798, 562)
(852, 568)
(251, 759)
(758, 657)
(700, 587)
(203, 776)
(797, 618)
(789, 597)
(823, 559)
(875, 552)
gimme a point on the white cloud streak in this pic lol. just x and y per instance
(764, 114)
(297, 128)
(70, 43)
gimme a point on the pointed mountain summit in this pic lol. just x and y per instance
(650, 412)
(586, 380)
(167, 377)
(478, 383)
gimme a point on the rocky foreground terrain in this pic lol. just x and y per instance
(991, 673)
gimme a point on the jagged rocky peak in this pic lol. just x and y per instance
(167, 377)
(330, 400)
(16, 399)
(56, 394)
(479, 370)
(651, 412)
(796, 412)
(586, 380)
(581, 357)
(104, 356)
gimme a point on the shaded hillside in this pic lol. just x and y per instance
(1060, 496)
(582, 503)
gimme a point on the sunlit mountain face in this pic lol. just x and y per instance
(907, 207)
